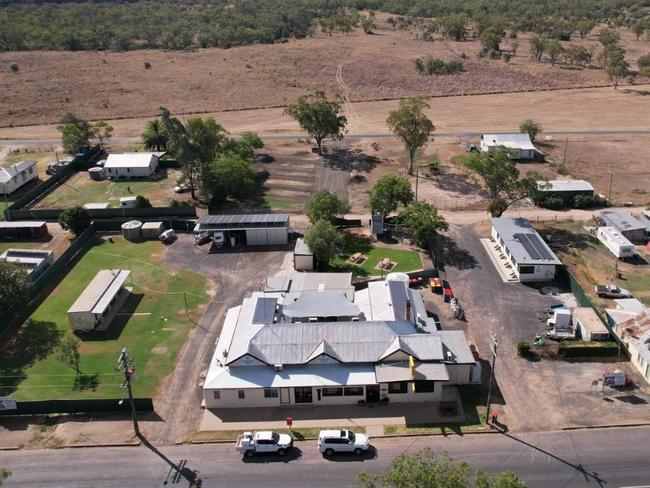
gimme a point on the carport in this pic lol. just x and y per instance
(247, 229)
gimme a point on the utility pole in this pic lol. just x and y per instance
(609, 192)
(493, 348)
(417, 180)
(125, 363)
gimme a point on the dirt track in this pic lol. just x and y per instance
(558, 110)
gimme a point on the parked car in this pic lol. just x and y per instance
(202, 238)
(436, 285)
(263, 442)
(219, 239)
(168, 236)
(332, 441)
(611, 291)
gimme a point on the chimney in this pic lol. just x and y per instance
(407, 310)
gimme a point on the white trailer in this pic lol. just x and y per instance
(615, 242)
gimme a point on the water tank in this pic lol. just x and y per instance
(97, 173)
(132, 230)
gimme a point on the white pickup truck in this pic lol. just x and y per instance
(611, 291)
(264, 442)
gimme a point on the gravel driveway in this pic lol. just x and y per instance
(542, 395)
(234, 275)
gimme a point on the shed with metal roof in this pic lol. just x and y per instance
(247, 229)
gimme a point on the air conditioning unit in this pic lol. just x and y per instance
(278, 367)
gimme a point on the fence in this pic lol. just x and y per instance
(104, 213)
(79, 406)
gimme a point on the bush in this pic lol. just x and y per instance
(588, 201)
(141, 202)
(552, 203)
(506, 57)
(523, 349)
(644, 61)
(435, 66)
(14, 67)
(75, 219)
(574, 349)
(175, 203)
(147, 65)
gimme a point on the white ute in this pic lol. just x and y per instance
(264, 442)
(331, 441)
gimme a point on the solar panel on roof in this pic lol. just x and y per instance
(534, 246)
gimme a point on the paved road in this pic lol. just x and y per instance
(349, 136)
(609, 457)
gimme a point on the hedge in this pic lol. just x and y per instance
(573, 349)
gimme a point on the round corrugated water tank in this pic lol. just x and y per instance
(97, 173)
(132, 230)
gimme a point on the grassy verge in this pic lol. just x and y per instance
(406, 260)
(298, 433)
(153, 324)
(277, 203)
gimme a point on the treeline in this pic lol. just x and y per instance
(188, 24)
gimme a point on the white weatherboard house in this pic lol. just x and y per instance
(17, 175)
(530, 257)
(310, 339)
(519, 144)
(131, 165)
(98, 304)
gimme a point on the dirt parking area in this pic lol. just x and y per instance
(532, 395)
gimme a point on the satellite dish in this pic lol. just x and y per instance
(549, 138)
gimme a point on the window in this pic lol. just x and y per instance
(400, 387)
(216, 394)
(241, 394)
(526, 269)
(425, 386)
(353, 391)
(271, 393)
(332, 392)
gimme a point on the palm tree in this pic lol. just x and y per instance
(154, 136)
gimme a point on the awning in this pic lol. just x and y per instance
(390, 373)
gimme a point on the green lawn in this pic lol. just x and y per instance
(154, 333)
(273, 203)
(80, 189)
(406, 260)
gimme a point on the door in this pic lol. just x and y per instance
(372, 393)
(285, 396)
(303, 394)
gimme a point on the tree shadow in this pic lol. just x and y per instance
(349, 159)
(560, 239)
(457, 184)
(449, 254)
(117, 325)
(352, 243)
(32, 342)
(83, 382)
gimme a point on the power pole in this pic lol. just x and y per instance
(125, 363)
(493, 348)
(417, 180)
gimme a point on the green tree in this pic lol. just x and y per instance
(584, 27)
(102, 130)
(500, 176)
(68, 353)
(4, 474)
(252, 140)
(75, 219)
(490, 40)
(319, 117)
(141, 202)
(453, 26)
(389, 193)
(195, 144)
(609, 37)
(323, 239)
(639, 28)
(425, 469)
(154, 136)
(324, 205)
(616, 66)
(368, 23)
(537, 47)
(229, 178)
(75, 133)
(411, 125)
(553, 48)
(422, 222)
(533, 129)
(14, 291)
(644, 61)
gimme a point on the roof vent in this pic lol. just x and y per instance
(278, 367)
